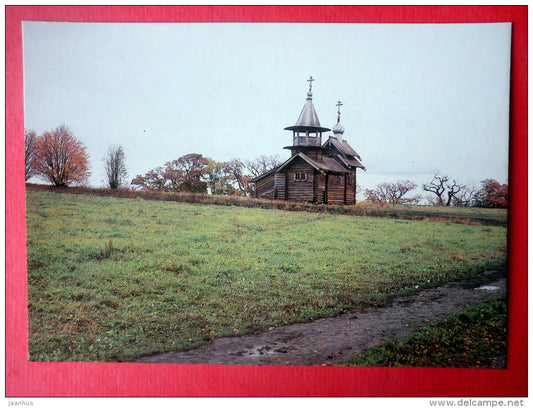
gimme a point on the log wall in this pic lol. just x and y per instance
(298, 190)
(331, 188)
(350, 189)
(279, 186)
(264, 188)
(336, 188)
(320, 187)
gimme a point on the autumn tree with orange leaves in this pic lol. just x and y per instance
(492, 194)
(61, 158)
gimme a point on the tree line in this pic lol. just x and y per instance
(443, 191)
(59, 157)
(198, 174)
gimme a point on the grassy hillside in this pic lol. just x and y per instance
(462, 215)
(110, 279)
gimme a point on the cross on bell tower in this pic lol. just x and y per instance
(307, 132)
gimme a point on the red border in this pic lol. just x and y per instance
(24, 379)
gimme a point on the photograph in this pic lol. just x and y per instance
(352, 265)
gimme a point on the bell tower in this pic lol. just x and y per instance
(307, 132)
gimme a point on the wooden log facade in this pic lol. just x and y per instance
(316, 172)
(304, 183)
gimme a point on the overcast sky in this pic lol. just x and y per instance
(417, 98)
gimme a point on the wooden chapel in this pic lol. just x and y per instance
(316, 172)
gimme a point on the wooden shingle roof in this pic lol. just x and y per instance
(329, 164)
(308, 119)
(342, 146)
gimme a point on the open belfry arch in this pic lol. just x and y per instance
(316, 172)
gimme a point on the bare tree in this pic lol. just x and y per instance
(262, 164)
(444, 189)
(30, 152)
(437, 186)
(453, 190)
(466, 197)
(115, 167)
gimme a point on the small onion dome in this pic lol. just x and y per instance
(338, 129)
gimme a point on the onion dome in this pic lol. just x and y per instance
(338, 129)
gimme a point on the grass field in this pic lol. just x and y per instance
(463, 215)
(111, 279)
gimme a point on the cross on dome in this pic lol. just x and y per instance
(310, 80)
(339, 104)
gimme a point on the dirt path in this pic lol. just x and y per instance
(328, 340)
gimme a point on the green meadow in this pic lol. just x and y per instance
(112, 279)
